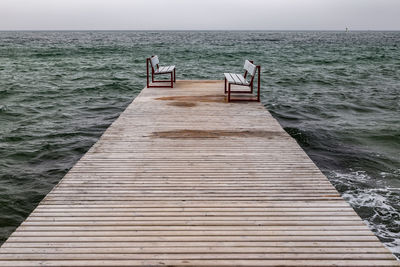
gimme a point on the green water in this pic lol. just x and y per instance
(337, 93)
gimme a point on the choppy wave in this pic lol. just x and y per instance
(337, 93)
(378, 206)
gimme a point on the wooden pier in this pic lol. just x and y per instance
(184, 178)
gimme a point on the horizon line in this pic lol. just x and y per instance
(199, 30)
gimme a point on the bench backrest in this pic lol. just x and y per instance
(250, 68)
(154, 62)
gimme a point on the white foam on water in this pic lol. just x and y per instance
(373, 201)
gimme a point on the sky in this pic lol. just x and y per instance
(199, 14)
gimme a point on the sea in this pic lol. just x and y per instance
(336, 93)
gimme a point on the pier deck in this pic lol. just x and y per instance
(184, 178)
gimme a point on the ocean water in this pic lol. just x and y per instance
(337, 93)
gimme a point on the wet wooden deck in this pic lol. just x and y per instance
(184, 178)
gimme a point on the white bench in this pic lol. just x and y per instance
(241, 80)
(153, 62)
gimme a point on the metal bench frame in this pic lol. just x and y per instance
(149, 63)
(250, 84)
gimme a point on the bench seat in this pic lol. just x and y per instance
(237, 79)
(166, 69)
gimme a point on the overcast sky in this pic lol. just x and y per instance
(199, 14)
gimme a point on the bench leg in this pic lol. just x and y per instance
(225, 85)
(229, 92)
(174, 75)
(172, 80)
(147, 72)
(258, 84)
(168, 83)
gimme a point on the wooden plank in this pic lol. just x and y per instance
(193, 256)
(229, 78)
(196, 249)
(236, 78)
(184, 178)
(205, 262)
(154, 61)
(161, 69)
(249, 67)
(201, 244)
(242, 79)
(165, 69)
(26, 228)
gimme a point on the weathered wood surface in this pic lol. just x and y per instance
(234, 78)
(166, 69)
(250, 67)
(184, 178)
